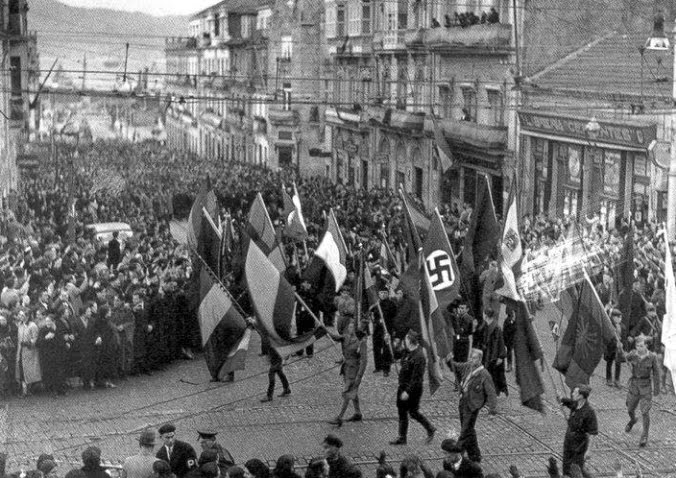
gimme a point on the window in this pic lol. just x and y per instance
(287, 96)
(402, 14)
(15, 77)
(469, 104)
(340, 20)
(446, 102)
(331, 22)
(366, 17)
(246, 27)
(287, 47)
(495, 107)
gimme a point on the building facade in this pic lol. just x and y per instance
(243, 85)
(20, 60)
(394, 64)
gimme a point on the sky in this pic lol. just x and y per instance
(153, 7)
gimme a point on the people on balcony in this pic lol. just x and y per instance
(467, 19)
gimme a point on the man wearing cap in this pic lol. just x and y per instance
(581, 424)
(409, 393)
(383, 320)
(476, 390)
(457, 463)
(141, 465)
(644, 380)
(180, 455)
(338, 464)
(207, 439)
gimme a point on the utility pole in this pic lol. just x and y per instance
(126, 57)
(84, 70)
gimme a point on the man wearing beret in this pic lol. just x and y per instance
(581, 424)
(457, 463)
(207, 439)
(180, 455)
(338, 464)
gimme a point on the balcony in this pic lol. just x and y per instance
(413, 122)
(353, 46)
(494, 37)
(180, 43)
(473, 134)
(390, 40)
(282, 117)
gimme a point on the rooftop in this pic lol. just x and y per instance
(612, 64)
(235, 6)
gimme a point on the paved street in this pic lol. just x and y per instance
(113, 419)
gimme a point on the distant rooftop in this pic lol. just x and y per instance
(235, 6)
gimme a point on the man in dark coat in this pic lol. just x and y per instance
(410, 390)
(463, 327)
(305, 322)
(493, 347)
(142, 331)
(382, 326)
(180, 455)
(224, 459)
(91, 459)
(477, 390)
(582, 424)
(632, 305)
(114, 251)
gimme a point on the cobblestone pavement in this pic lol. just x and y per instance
(113, 419)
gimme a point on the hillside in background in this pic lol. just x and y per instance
(68, 34)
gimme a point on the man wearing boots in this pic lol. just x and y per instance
(645, 378)
(410, 390)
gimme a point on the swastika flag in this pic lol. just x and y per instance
(441, 266)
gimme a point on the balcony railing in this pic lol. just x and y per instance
(471, 133)
(496, 36)
(279, 116)
(180, 43)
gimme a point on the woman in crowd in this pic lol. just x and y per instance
(28, 369)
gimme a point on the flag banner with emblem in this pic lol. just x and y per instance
(209, 246)
(511, 250)
(330, 256)
(435, 340)
(222, 327)
(262, 232)
(274, 302)
(442, 147)
(205, 199)
(441, 266)
(587, 334)
(669, 325)
(481, 242)
(527, 350)
(294, 227)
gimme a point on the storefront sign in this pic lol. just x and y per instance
(614, 133)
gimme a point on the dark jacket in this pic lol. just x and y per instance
(480, 390)
(338, 466)
(412, 372)
(467, 469)
(95, 471)
(183, 458)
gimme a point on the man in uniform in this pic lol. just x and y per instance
(645, 378)
(207, 439)
(463, 326)
(411, 375)
(382, 327)
(476, 390)
(581, 424)
(180, 455)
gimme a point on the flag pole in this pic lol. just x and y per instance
(317, 322)
(387, 333)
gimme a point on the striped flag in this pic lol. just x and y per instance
(331, 256)
(206, 199)
(224, 332)
(294, 227)
(442, 147)
(274, 302)
(209, 245)
(669, 324)
(511, 251)
(262, 232)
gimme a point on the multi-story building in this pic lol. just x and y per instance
(243, 84)
(20, 85)
(395, 62)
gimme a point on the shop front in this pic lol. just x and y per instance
(574, 166)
